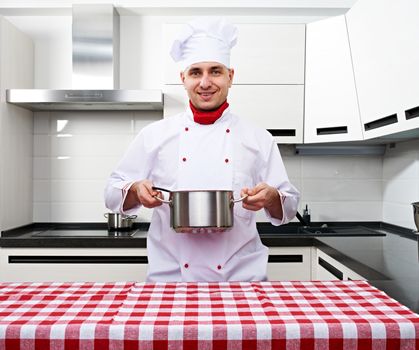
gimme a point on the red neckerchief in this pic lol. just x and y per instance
(207, 117)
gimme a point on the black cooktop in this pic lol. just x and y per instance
(84, 233)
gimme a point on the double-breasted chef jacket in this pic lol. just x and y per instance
(178, 154)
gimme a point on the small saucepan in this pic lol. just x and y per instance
(200, 210)
(119, 222)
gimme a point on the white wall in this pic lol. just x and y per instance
(338, 188)
(401, 183)
(74, 154)
(72, 163)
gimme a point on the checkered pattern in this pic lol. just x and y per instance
(239, 315)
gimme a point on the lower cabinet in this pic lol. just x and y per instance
(325, 268)
(289, 263)
(130, 264)
(306, 263)
(72, 264)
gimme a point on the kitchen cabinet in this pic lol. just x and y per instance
(326, 268)
(265, 53)
(73, 264)
(268, 86)
(383, 36)
(281, 114)
(16, 129)
(289, 263)
(331, 105)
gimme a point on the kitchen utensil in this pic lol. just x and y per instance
(119, 222)
(200, 210)
(416, 214)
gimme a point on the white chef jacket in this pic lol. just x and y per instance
(178, 154)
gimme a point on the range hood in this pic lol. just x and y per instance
(95, 79)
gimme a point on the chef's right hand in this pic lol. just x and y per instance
(141, 192)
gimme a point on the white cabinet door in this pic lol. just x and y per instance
(269, 54)
(278, 108)
(383, 35)
(264, 54)
(72, 265)
(331, 105)
(325, 268)
(289, 264)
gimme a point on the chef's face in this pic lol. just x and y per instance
(207, 84)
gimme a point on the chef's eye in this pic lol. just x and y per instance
(194, 73)
(216, 72)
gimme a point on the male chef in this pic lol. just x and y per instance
(207, 147)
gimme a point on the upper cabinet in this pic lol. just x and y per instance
(277, 108)
(384, 41)
(268, 86)
(264, 54)
(331, 106)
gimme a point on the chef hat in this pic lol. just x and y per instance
(205, 39)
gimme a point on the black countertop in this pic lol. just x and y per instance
(390, 261)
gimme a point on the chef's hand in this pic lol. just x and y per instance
(263, 196)
(141, 192)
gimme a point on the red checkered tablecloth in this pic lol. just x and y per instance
(237, 315)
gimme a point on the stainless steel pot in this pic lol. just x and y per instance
(416, 214)
(119, 222)
(200, 211)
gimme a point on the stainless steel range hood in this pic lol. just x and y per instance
(64, 100)
(95, 85)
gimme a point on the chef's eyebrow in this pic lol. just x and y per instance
(194, 69)
(212, 68)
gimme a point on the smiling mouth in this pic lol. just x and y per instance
(206, 95)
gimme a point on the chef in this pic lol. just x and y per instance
(207, 147)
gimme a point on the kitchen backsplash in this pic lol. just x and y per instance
(401, 183)
(74, 153)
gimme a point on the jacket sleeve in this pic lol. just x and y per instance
(276, 176)
(134, 166)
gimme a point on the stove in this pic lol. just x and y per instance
(84, 233)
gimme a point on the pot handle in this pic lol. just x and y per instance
(106, 215)
(158, 198)
(240, 199)
(131, 217)
(160, 189)
(163, 200)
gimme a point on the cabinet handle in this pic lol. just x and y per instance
(333, 130)
(412, 113)
(391, 119)
(282, 132)
(284, 258)
(333, 270)
(74, 259)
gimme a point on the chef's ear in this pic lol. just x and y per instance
(182, 76)
(230, 76)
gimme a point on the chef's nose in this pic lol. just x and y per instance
(205, 81)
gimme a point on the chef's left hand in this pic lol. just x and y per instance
(263, 196)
